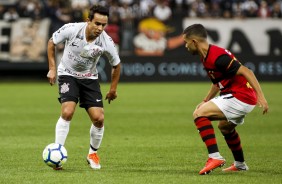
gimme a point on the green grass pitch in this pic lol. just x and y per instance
(149, 137)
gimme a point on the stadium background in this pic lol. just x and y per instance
(250, 29)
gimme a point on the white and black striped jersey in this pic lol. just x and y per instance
(80, 57)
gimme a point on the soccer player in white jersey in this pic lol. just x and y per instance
(77, 74)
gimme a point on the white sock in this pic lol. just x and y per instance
(62, 130)
(216, 155)
(96, 136)
(239, 164)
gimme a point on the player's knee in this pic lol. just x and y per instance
(98, 121)
(224, 129)
(67, 114)
(221, 127)
(196, 114)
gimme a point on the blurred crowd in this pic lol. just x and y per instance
(76, 10)
(125, 14)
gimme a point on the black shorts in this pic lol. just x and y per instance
(85, 91)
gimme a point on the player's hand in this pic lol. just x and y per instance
(111, 95)
(263, 104)
(51, 77)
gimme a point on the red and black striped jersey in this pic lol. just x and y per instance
(222, 66)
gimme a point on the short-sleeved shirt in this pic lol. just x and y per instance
(81, 57)
(222, 66)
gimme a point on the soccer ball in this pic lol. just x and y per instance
(55, 155)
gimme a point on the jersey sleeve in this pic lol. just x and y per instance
(63, 34)
(227, 65)
(111, 52)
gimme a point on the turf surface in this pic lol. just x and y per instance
(149, 137)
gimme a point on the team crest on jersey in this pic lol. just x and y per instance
(65, 88)
(91, 51)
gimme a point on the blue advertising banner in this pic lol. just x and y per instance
(185, 68)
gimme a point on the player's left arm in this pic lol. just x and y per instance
(112, 94)
(113, 57)
(251, 78)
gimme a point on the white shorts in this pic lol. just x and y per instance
(233, 109)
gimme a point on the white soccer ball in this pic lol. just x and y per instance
(55, 155)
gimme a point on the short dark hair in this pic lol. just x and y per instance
(98, 9)
(196, 30)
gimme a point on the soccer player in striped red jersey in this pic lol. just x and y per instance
(239, 93)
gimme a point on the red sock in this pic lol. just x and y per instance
(206, 131)
(234, 143)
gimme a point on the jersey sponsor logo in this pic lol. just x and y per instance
(83, 62)
(80, 61)
(70, 56)
(77, 74)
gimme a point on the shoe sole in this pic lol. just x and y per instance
(208, 172)
(95, 168)
(238, 170)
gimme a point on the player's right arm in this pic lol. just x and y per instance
(61, 35)
(211, 94)
(51, 61)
